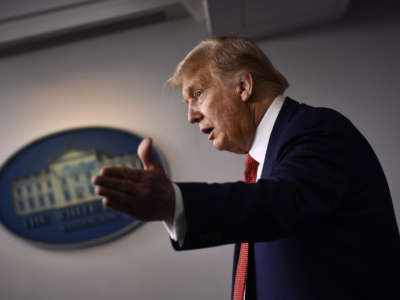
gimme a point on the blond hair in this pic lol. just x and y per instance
(226, 55)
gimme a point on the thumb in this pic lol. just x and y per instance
(148, 160)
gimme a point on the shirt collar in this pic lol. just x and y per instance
(259, 146)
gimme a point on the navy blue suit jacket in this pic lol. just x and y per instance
(320, 220)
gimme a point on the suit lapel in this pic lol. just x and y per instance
(287, 111)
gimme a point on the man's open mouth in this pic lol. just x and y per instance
(207, 130)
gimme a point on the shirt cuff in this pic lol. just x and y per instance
(178, 229)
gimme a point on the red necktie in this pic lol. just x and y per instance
(250, 176)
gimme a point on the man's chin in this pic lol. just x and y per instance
(218, 145)
(221, 146)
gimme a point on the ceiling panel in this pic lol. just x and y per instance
(11, 9)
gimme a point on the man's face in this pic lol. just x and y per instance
(219, 110)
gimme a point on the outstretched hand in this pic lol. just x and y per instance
(144, 194)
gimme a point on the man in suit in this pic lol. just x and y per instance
(317, 220)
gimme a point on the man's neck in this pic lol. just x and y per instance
(261, 105)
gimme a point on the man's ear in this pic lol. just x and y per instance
(245, 87)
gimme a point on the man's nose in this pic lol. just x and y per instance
(194, 115)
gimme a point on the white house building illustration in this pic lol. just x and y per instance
(65, 181)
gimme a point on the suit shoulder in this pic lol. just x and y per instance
(309, 117)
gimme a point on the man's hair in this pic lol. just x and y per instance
(225, 56)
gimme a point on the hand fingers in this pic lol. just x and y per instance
(113, 195)
(122, 173)
(146, 156)
(122, 185)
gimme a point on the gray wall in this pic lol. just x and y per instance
(118, 80)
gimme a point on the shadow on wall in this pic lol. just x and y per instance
(362, 11)
(359, 13)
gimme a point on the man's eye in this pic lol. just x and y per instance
(198, 93)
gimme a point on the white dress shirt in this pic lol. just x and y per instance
(258, 151)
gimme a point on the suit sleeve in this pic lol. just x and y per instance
(305, 188)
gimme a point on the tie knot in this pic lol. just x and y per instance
(250, 171)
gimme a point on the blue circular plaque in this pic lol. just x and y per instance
(46, 191)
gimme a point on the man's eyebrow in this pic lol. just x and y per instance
(190, 90)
